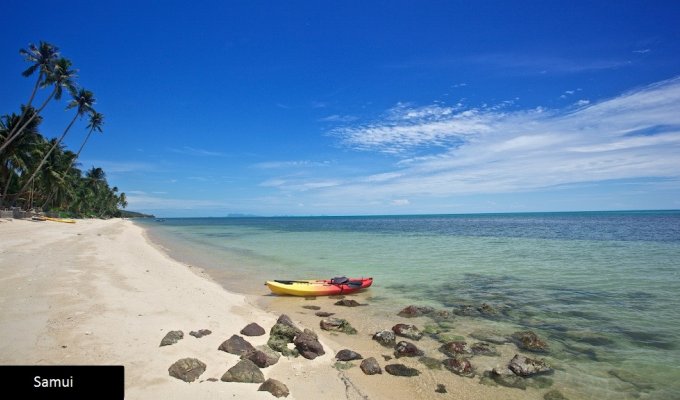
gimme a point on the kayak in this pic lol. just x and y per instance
(319, 287)
(64, 220)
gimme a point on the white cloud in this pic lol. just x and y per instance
(338, 118)
(191, 151)
(291, 164)
(139, 200)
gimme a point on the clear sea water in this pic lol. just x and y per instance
(603, 288)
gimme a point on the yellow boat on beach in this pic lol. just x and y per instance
(64, 220)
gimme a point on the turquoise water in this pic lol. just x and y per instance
(603, 288)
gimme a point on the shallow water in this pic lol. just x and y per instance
(602, 288)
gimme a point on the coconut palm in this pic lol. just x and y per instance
(20, 155)
(83, 100)
(95, 124)
(60, 76)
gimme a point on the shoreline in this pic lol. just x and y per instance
(102, 293)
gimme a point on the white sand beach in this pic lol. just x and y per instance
(99, 293)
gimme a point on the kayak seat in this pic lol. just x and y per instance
(339, 280)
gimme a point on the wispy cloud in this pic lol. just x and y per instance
(338, 118)
(491, 151)
(192, 151)
(291, 164)
(140, 200)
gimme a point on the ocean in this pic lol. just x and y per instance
(602, 288)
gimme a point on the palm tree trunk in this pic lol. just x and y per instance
(28, 106)
(42, 162)
(10, 138)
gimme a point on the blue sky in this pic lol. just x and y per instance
(359, 107)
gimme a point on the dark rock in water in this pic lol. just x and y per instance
(387, 357)
(348, 303)
(483, 349)
(337, 325)
(285, 320)
(385, 338)
(466, 310)
(487, 310)
(244, 371)
(592, 338)
(401, 370)
(337, 296)
(525, 367)
(370, 366)
(505, 377)
(455, 348)
(348, 355)
(172, 337)
(554, 395)
(253, 329)
(415, 311)
(632, 378)
(323, 314)
(236, 345)
(200, 333)
(529, 341)
(276, 388)
(459, 366)
(261, 358)
(407, 349)
(441, 315)
(490, 336)
(307, 343)
(408, 331)
(431, 362)
(310, 298)
(312, 307)
(187, 369)
(440, 388)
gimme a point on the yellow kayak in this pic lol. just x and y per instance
(64, 220)
(318, 287)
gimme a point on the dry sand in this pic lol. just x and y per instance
(99, 293)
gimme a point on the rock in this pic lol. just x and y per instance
(554, 395)
(490, 336)
(348, 303)
(408, 331)
(529, 341)
(348, 355)
(466, 310)
(505, 377)
(440, 388)
(459, 366)
(370, 366)
(280, 335)
(387, 357)
(187, 369)
(244, 371)
(483, 349)
(253, 329)
(337, 296)
(200, 333)
(401, 370)
(455, 348)
(261, 358)
(285, 320)
(525, 367)
(307, 343)
(323, 314)
(276, 388)
(441, 315)
(432, 330)
(172, 337)
(312, 307)
(415, 311)
(236, 345)
(407, 349)
(385, 338)
(337, 325)
(431, 362)
(487, 310)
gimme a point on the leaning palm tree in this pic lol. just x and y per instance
(60, 76)
(20, 155)
(95, 124)
(83, 100)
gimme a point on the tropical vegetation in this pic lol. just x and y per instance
(39, 173)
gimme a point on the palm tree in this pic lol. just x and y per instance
(60, 76)
(83, 100)
(95, 124)
(21, 154)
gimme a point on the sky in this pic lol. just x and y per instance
(367, 107)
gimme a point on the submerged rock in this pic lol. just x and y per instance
(505, 377)
(200, 333)
(490, 336)
(529, 341)
(407, 349)
(276, 388)
(323, 314)
(431, 362)
(348, 303)
(244, 371)
(554, 395)
(307, 343)
(385, 338)
(348, 355)
(483, 349)
(440, 388)
(337, 325)
(252, 329)
(401, 370)
(172, 337)
(415, 311)
(455, 348)
(525, 367)
(316, 308)
(459, 366)
(370, 366)
(409, 331)
(187, 369)
(487, 310)
(236, 345)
